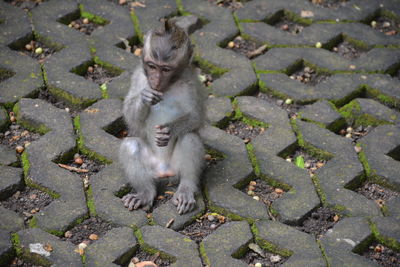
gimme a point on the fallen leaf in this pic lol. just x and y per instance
(92, 110)
(278, 191)
(137, 4)
(93, 237)
(48, 247)
(306, 14)
(336, 218)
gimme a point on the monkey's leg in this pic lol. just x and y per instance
(136, 159)
(187, 159)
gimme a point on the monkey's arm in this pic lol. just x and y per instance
(190, 119)
(135, 109)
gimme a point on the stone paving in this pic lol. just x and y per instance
(268, 91)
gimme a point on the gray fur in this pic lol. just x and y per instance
(139, 152)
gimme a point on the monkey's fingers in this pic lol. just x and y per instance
(151, 97)
(162, 129)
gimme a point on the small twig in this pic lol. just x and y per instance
(257, 52)
(271, 215)
(170, 223)
(71, 168)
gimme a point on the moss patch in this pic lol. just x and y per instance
(81, 144)
(90, 202)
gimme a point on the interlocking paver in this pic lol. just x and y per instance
(340, 242)
(41, 171)
(182, 250)
(377, 147)
(333, 182)
(352, 51)
(302, 248)
(226, 241)
(115, 247)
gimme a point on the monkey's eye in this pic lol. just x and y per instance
(151, 66)
(166, 69)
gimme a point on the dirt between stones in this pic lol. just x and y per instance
(27, 202)
(333, 4)
(230, 4)
(243, 131)
(382, 255)
(141, 255)
(83, 231)
(348, 50)
(204, 226)
(16, 135)
(319, 222)
(270, 259)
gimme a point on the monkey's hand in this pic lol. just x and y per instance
(163, 135)
(150, 96)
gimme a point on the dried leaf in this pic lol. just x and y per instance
(92, 110)
(93, 237)
(306, 14)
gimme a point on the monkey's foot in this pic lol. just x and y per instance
(164, 170)
(184, 200)
(135, 201)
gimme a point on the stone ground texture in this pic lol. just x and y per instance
(81, 116)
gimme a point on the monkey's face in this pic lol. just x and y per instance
(159, 74)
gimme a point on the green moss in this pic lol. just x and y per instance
(208, 67)
(296, 130)
(69, 98)
(215, 154)
(151, 250)
(239, 253)
(253, 159)
(320, 192)
(49, 42)
(316, 152)
(136, 26)
(203, 254)
(26, 165)
(359, 92)
(265, 89)
(350, 111)
(275, 183)
(383, 98)
(363, 159)
(237, 22)
(323, 252)
(109, 67)
(31, 126)
(16, 242)
(33, 222)
(25, 253)
(92, 17)
(29, 182)
(228, 214)
(90, 202)
(385, 240)
(81, 144)
(273, 248)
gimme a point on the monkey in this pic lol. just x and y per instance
(164, 109)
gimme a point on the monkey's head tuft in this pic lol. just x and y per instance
(169, 43)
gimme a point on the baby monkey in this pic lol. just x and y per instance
(163, 111)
